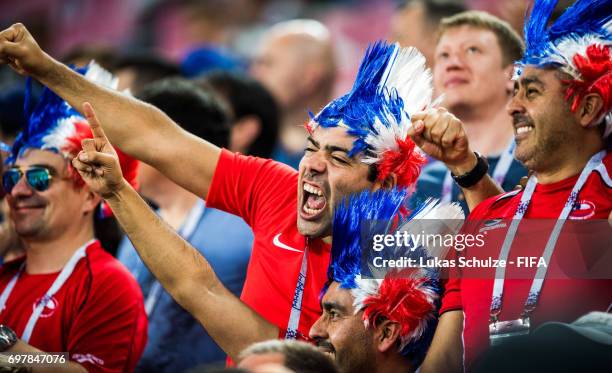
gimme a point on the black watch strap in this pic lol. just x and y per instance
(8, 338)
(475, 175)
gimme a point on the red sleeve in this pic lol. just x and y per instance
(109, 332)
(251, 187)
(451, 294)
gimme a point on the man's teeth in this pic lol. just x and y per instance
(310, 211)
(313, 189)
(524, 129)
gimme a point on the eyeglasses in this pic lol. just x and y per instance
(38, 178)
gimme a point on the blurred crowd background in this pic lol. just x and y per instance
(200, 35)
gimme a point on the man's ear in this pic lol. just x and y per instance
(92, 200)
(387, 335)
(589, 109)
(244, 132)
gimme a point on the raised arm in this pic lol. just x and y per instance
(179, 267)
(446, 351)
(441, 135)
(137, 128)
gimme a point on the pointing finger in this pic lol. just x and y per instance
(94, 123)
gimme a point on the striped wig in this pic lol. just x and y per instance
(409, 297)
(53, 125)
(578, 43)
(392, 83)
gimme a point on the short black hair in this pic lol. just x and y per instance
(197, 110)
(246, 96)
(148, 66)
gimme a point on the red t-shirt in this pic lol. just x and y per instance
(561, 299)
(97, 316)
(264, 193)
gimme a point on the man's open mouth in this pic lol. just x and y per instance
(313, 201)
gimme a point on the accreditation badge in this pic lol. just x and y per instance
(500, 331)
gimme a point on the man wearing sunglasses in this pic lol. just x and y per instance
(67, 293)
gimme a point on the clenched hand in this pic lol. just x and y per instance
(19, 49)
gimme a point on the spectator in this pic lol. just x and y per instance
(176, 340)
(297, 356)
(561, 115)
(473, 69)
(255, 113)
(67, 294)
(415, 23)
(296, 63)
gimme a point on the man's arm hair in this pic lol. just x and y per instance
(188, 277)
(484, 189)
(141, 130)
(446, 351)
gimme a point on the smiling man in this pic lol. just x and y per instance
(67, 293)
(561, 111)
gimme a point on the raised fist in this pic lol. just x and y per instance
(19, 49)
(442, 136)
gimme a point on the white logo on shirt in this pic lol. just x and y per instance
(51, 305)
(277, 243)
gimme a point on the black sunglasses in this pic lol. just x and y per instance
(38, 178)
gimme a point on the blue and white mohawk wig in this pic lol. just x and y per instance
(409, 297)
(55, 126)
(392, 84)
(577, 43)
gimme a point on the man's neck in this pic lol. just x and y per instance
(489, 129)
(392, 364)
(49, 256)
(571, 166)
(174, 203)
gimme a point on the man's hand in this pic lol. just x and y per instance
(442, 136)
(19, 49)
(98, 163)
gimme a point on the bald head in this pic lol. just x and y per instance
(296, 63)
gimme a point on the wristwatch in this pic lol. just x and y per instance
(8, 338)
(472, 177)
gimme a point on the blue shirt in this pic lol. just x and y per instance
(177, 341)
(431, 181)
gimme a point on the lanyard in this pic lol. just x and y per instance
(55, 287)
(296, 306)
(186, 231)
(536, 286)
(499, 174)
